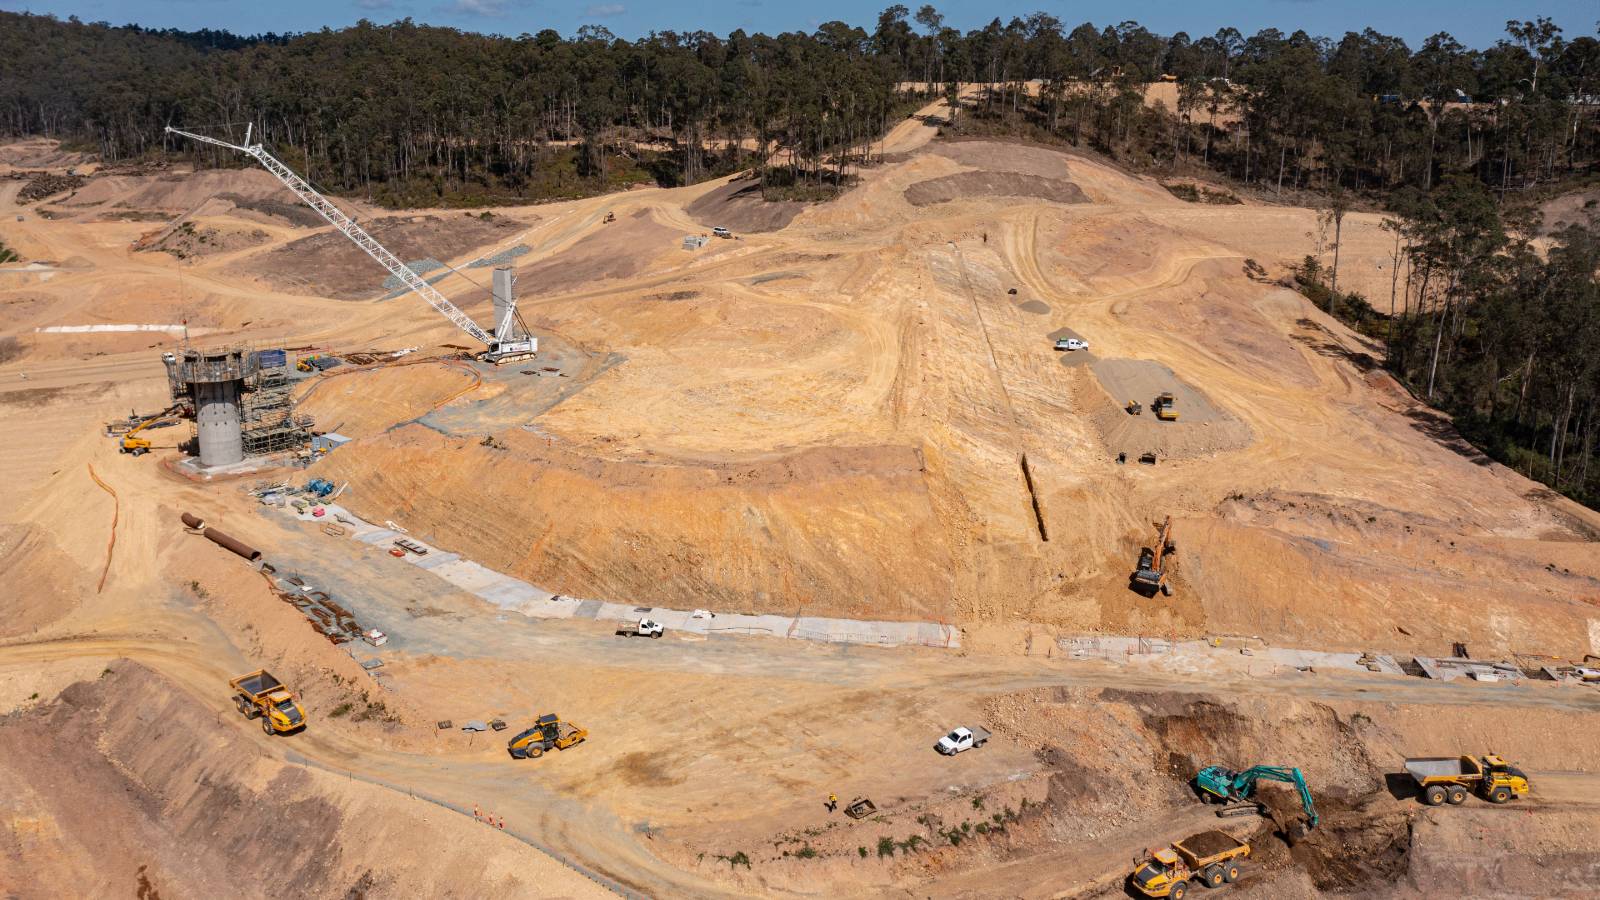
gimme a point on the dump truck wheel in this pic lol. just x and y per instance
(1231, 873)
(1179, 890)
(1500, 795)
(1212, 876)
(1458, 796)
(266, 725)
(1434, 796)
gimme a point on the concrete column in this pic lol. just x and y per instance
(217, 420)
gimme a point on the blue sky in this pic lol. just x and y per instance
(1477, 23)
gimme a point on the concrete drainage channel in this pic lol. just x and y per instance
(514, 595)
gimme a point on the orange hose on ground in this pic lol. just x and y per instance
(111, 546)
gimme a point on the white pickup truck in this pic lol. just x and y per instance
(649, 628)
(961, 739)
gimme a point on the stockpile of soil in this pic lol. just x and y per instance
(188, 241)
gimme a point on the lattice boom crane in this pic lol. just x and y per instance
(500, 347)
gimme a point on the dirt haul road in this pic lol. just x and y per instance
(824, 419)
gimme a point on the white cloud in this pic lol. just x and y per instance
(604, 10)
(477, 7)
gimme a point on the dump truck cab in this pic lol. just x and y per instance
(1156, 876)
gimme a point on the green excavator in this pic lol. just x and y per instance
(1228, 786)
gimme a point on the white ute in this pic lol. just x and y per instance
(1071, 344)
(961, 739)
(643, 628)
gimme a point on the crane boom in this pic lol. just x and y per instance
(351, 230)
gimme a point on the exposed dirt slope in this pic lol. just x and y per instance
(184, 805)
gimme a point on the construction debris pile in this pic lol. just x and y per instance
(329, 618)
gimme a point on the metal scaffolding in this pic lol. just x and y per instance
(270, 425)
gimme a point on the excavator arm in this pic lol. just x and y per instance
(1230, 785)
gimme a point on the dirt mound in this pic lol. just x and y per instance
(623, 248)
(176, 192)
(1358, 847)
(968, 185)
(188, 241)
(328, 264)
(1201, 428)
(294, 213)
(185, 799)
(46, 185)
(739, 207)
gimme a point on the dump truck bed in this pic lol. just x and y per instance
(1208, 847)
(1425, 769)
(256, 683)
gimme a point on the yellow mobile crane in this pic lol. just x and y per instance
(138, 446)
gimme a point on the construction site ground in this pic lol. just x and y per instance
(843, 413)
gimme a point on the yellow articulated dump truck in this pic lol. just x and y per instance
(1449, 779)
(1210, 858)
(259, 695)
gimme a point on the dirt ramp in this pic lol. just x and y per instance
(125, 785)
(617, 250)
(739, 206)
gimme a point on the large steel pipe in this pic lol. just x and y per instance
(231, 543)
(194, 522)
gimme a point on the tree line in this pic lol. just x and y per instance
(446, 111)
(370, 105)
(1493, 320)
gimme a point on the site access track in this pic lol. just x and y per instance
(608, 850)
